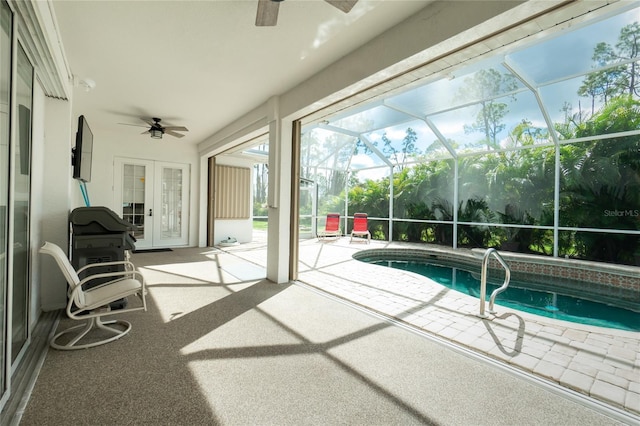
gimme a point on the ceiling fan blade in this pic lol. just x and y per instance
(129, 124)
(172, 133)
(149, 121)
(267, 15)
(145, 132)
(343, 5)
(178, 128)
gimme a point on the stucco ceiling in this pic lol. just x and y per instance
(202, 64)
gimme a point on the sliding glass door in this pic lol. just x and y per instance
(21, 205)
(5, 86)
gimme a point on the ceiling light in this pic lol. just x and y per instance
(156, 133)
(86, 83)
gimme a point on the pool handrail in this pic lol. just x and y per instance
(483, 281)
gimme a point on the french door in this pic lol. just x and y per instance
(154, 196)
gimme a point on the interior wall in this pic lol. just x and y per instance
(53, 195)
(107, 146)
(240, 229)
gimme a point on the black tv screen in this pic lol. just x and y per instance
(83, 151)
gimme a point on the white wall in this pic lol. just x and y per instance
(240, 229)
(107, 146)
(51, 201)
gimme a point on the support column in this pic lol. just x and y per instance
(279, 202)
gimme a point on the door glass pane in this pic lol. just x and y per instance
(21, 207)
(171, 203)
(133, 176)
(5, 84)
(306, 208)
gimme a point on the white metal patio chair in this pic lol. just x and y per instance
(91, 304)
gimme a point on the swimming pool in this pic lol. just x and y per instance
(523, 296)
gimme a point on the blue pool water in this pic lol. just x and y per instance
(519, 296)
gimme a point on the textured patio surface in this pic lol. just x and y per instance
(602, 364)
(219, 345)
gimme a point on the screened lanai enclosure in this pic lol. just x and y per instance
(531, 147)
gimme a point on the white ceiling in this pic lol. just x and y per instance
(202, 64)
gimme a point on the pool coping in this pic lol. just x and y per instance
(599, 283)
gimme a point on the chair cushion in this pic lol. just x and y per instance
(103, 295)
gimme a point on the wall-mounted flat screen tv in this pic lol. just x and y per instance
(83, 151)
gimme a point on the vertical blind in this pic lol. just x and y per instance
(232, 192)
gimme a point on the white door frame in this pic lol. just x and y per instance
(154, 206)
(171, 204)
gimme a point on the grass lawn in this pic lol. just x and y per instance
(260, 225)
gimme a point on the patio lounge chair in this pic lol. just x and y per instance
(331, 227)
(360, 227)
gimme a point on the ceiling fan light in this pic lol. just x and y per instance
(156, 133)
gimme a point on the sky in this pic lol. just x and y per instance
(566, 54)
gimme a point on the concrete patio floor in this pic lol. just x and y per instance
(600, 365)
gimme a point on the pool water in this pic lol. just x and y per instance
(519, 296)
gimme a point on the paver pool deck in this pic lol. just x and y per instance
(601, 364)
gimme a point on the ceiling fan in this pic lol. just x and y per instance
(267, 15)
(156, 130)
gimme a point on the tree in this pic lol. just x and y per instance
(488, 121)
(407, 148)
(524, 134)
(260, 189)
(600, 183)
(330, 154)
(485, 86)
(615, 80)
(372, 197)
(600, 85)
(260, 184)
(571, 120)
(360, 146)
